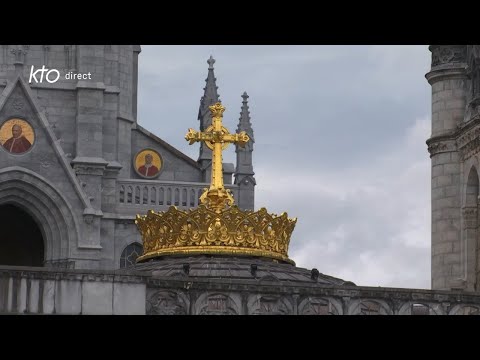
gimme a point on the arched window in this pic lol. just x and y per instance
(130, 254)
(472, 188)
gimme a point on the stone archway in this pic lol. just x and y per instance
(41, 200)
(21, 240)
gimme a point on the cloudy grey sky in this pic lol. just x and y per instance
(340, 137)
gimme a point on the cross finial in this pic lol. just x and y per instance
(210, 62)
(245, 96)
(217, 138)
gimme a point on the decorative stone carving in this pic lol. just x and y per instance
(470, 149)
(269, 305)
(88, 219)
(465, 310)
(448, 54)
(470, 216)
(318, 306)
(472, 111)
(17, 104)
(216, 304)
(165, 302)
(369, 307)
(439, 147)
(20, 53)
(467, 137)
(470, 213)
(468, 143)
(45, 161)
(473, 73)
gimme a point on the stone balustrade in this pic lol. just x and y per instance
(139, 196)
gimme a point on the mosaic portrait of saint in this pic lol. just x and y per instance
(16, 136)
(148, 163)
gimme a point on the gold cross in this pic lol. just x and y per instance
(217, 138)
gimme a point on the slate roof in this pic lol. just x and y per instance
(224, 267)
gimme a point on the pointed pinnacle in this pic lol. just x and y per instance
(210, 62)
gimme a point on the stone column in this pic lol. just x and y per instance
(448, 81)
(89, 163)
(470, 224)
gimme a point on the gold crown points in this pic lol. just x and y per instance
(217, 109)
(205, 231)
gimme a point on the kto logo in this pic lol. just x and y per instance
(51, 75)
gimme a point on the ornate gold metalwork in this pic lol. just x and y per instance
(217, 226)
(217, 138)
(205, 231)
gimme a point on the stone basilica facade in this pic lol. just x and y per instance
(76, 168)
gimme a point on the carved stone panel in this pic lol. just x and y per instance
(441, 146)
(468, 143)
(269, 305)
(465, 310)
(472, 148)
(470, 215)
(165, 302)
(319, 306)
(369, 307)
(448, 54)
(216, 304)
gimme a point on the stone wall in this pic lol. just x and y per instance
(189, 296)
(59, 291)
(52, 291)
(83, 144)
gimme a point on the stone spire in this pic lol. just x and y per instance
(244, 124)
(210, 97)
(244, 175)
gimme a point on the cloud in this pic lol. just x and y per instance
(339, 143)
(369, 223)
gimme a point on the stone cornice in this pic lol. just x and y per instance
(445, 72)
(466, 140)
(312, 289)
(439, 147)
(112, 170)
(89, 166)
(119, 217)
(124, 276)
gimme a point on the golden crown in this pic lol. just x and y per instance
(216, 226)
(204, 231)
